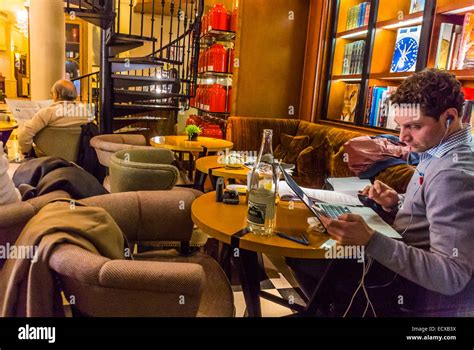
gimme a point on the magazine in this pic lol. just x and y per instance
(24, 110)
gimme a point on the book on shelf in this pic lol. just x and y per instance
(351, 95)
(378, 110)
(444, 41)
(417, 6)
(466, 50)
(353, 57)
(454, 47)
(405, 53)
(358, 16)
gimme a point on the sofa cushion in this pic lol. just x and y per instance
(246, 132)
(317, 133)
(290, 147)
(310, 167)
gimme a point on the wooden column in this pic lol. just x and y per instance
(313, 74)
(47, 46)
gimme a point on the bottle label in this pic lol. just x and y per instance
(261, 206)
(256, 213)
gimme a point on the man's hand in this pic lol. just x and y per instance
(349, 229)
(382, 194)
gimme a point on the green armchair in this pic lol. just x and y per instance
(60, 142)
(142, 169)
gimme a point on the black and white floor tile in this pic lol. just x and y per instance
(280, 283)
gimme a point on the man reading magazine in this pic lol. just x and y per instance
(432, 266)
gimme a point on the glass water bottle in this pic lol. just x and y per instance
(263, 190)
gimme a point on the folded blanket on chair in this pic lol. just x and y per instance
(27, 286)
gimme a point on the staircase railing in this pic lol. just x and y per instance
(173, 58)
(88, 87)
(183, 46)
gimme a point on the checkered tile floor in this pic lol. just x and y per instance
(280, 283)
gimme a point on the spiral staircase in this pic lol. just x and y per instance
(132, 91)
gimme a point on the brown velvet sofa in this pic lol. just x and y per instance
(324, 155)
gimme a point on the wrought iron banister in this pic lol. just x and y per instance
(88, 86)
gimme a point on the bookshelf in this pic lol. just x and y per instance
(347, 94)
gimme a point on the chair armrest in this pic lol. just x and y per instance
(155, 276)
(142, 177)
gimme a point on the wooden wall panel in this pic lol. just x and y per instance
(315, 61)
(271, 50)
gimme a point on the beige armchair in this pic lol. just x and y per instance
(106, 145)
(156, 284)
(142, 169)
(58, 142)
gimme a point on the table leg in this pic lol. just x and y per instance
(191, 166)
(199, 180)
(250, 280)
(318, 294)
(213, 179)
(224, 259)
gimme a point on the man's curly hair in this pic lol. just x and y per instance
(433, 89)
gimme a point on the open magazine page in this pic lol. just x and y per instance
(331, 197)
(348, 185)
(24, 110)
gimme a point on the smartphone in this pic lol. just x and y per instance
(319, 212)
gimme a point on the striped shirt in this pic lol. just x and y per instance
(460, 137)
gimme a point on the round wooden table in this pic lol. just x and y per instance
(181, 143)
(227, 223)
(218, 168)
(6, 129)
(221, 221)
(201, 147)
